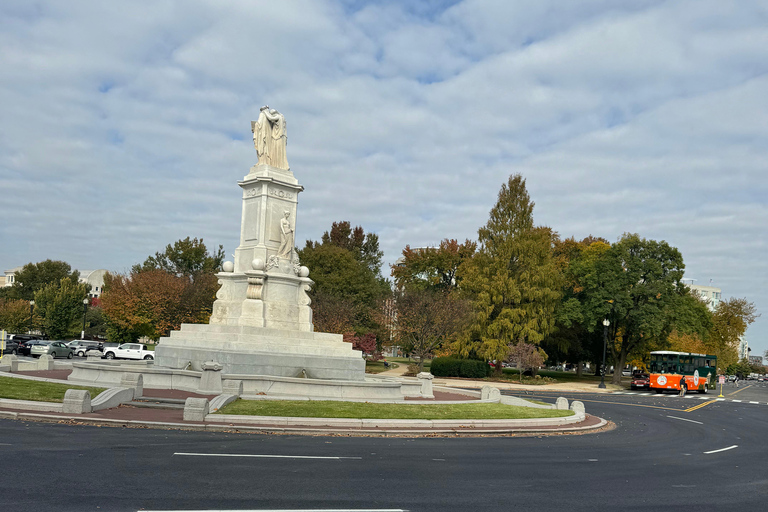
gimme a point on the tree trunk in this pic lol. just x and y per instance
(619, 366)
(579, 369)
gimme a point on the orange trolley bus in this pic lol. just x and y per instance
(675, 370)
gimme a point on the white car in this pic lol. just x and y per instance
(129, 351)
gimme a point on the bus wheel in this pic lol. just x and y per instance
(659, 391)
(703, 389)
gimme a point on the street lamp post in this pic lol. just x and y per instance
(31, 309)
(85, 310)
(606, 323)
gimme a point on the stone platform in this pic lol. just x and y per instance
(248, 350)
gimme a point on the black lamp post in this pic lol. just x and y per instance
(606, 323)
(31, 309)
(85, 310)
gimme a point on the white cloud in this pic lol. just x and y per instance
(125, 127)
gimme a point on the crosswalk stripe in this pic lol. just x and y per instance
(736, 401)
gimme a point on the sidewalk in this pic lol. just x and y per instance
(455, 382)
(130, 416)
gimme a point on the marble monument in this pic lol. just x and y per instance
(262, 319)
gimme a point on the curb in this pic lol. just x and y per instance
(302, 430)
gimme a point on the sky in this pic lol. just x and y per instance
(126, 126)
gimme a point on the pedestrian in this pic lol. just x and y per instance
(736, 380)
(682, 386)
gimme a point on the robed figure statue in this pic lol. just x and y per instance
(270, 138)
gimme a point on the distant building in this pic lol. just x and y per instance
(756, 360)
(95, 278)
(10, 276)
(743, 349)
(709, 294)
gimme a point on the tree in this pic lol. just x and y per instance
(153, 302)
(188, 257)
(59, 306)
(635, 284)
(570, 340)
(365, 343)
(345, 268)
(35, 276)
(14, 315)
(528, 358)
(432, 267)
(427, 319)
(513, 279)
(364, 247)
(729, 323)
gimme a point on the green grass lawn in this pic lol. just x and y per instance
(358, 410)
(407, 361)
(22, 389)
(378, 366)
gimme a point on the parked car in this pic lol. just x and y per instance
(129, 351)
(640, 381)
(84, 346)
(51, 348)
(11, 347)
(26, 346)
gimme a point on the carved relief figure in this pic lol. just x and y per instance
(286, 237)
(270, 138)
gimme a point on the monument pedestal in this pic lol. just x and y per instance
(261, 351)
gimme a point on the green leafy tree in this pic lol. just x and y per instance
(346, 270)
(35, 276)
(432, 267)
(14, 315)
(363, 246)
(635, 284)
(571, 340)
(59, 308)
(188, 257)
(513, 279)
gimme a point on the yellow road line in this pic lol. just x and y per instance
(739, 391)
(700, 406)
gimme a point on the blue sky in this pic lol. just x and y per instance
(126, 126)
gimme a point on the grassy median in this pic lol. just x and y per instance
(367, 410)
(38, 391)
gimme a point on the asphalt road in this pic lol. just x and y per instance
(666, 452)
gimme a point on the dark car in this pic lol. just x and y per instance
(640, 381)
(26, 346)
(11, 347)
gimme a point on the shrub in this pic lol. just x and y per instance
(454, 367)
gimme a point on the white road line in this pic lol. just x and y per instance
(684, 419)
(736, 401)
(720, 399)
(294, 510)
(754, 402)
(689, 396)
(263, 456)
(723, 449)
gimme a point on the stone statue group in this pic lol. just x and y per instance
(270, 138)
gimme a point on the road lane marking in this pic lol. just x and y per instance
(294, 510)
(695, 407)
(262, 456)
(737, 401)
(723, 449)
(683, 419)
(739, 391)
(754, 402)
